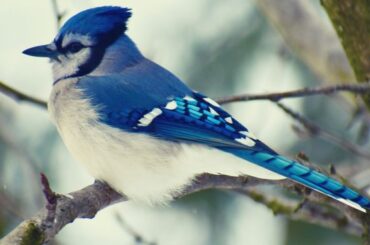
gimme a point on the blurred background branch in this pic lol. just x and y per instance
(299, 93)
(19, 96)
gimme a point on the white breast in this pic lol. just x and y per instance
(138, 165)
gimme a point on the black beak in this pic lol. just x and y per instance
(42, 51)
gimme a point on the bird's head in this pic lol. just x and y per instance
(81, 42)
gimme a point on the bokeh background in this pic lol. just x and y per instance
(218, 47)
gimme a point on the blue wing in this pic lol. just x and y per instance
(181, 115)
(197, 119)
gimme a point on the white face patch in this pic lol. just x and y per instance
(149, 117)
(69, 64)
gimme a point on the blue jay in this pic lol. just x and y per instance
(136, 126)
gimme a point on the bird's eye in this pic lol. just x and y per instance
(74, 47)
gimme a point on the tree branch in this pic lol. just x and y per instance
(87, 202)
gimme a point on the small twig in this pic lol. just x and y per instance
(360, 88)
(316, 130)
(51, 201)
(19, 96)
(138, 238)
(84, 203)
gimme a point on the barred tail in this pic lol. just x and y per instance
(306, 176)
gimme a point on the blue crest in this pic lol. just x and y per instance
(103, 23)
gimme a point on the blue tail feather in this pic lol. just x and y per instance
(306, 176)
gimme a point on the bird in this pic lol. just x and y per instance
(137, 127)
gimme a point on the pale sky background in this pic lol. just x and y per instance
(164, 30)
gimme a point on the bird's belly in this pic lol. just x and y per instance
(136, 165)
(148, 169)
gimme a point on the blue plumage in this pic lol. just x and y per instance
(104, 23)
(120, 95)
(303, 175)
(109, 100)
